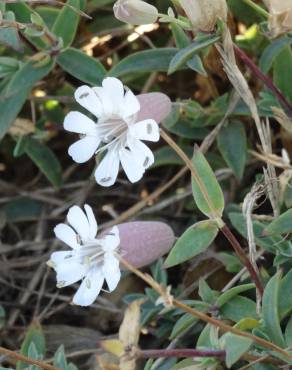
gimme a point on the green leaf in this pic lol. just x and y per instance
(193, 241)
(22, 209)
(66, 23)
(45, 160)
(182, 41)
(281, 225)
(188, 52)
(232, 145)
(207, 294)
(270, 311)
(179, 35)
(215, 199)
(288, 333)
(272, 244)
(285, 295)
(272, 51)
(238, 308)
(154, 60)
(13, 97)
(235, 346)
(282, 72)
(9, 36)
(229, 294)
(8, 66)
(33, 335)
(2, 317)
(22, 14)
(184, 322)
(60, 358)
(82, 66)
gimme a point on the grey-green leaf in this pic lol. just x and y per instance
(45, 159)
(193, 241)
(229, 294)
(281, 225)
(82, 66)
(33, 335)
(188, 52)
(272, 51)
(270, 311)
(232, 145)
(207, 192)
(235, 346)
(184, 322)
(66, 23)
(154, 60)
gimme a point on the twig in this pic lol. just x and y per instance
(28, 360)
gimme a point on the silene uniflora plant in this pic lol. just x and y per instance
(152, 117)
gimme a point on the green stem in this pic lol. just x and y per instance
(261, 11)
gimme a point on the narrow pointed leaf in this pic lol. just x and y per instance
(66, 23)
(188, 52)
(154, 60)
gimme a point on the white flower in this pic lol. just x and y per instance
(116, 130)
(91, 259)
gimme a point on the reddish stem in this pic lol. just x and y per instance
(240, 253)
(181, 352)
(265, 79)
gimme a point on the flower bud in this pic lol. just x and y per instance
(143, 242)
(203, 14)
(280, 16)
(135, 12)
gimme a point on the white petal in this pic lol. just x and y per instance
(131, 104)
(67, 235)
(79, 222)
(107, 104)
(79, 123)
(60, 256)
(115, 90)
(134, 170)
(107, 171)
(70, 271)
(91, 220)
(89, 288)
(87, 98)
(146, 130)
(111, 271)
(142, 154)
(111, 240)
(84, 149)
